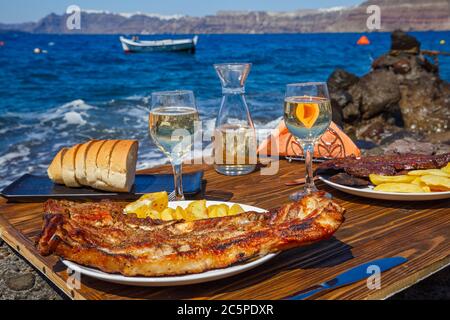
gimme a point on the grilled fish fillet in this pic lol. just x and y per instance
(99, 235)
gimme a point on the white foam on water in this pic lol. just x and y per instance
(75, 106)
(73, 117)
(144, 99)
(21, 153)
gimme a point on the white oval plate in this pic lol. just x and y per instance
(368, 192)
(175, 280)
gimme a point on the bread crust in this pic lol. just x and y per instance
(91, 161)
(122, 167)
(80, 163)
(54, 170)
(68, 167)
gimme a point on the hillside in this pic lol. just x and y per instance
(405, 14)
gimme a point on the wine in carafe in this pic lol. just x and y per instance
(235, 149)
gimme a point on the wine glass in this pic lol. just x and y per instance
(307, 114)
(172, 124)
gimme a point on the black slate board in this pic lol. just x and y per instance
(32, 188)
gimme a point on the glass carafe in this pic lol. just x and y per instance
(234, 134)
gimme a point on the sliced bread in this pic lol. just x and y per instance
(122, 167)
(103, 164)
(54, 170)
(80, 162)
(68, 167)
(91, 161)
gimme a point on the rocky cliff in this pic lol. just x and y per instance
(405, 14)
(401, 105)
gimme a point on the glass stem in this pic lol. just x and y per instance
(309, 178)
(178, 182)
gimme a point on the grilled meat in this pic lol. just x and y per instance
(348, 180)
(386, 165)
(100, 235)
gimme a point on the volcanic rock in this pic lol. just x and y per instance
(21, 282)
(403, 92)
(403, 43)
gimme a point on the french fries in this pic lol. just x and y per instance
(437, 183)
(430, 180)
(446, 169)
(399, 187)
(434, 172)
(155, 206)
(377, 179)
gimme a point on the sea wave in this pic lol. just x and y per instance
(39, 135)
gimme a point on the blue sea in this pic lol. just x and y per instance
(85, 87)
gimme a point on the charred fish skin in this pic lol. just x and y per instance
(99, 235)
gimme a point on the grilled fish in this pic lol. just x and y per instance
(99, 235)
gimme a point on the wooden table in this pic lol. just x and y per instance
(419, 231)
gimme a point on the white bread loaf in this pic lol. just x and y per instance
(91, 162)
(105, 164)
(68, 167)
(54, 171)
(122, 167)
(80, 162)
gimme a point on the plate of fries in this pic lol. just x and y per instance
(415, 185)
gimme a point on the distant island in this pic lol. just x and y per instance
(405, 14)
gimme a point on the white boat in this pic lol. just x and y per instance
(131, 45)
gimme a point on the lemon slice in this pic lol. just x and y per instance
(307, 113)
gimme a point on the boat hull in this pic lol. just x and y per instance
(130, 46)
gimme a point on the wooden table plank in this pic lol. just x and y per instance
(373, 229)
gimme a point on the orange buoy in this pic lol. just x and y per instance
(363, 41)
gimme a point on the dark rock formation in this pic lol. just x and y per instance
(402, 93)
(403, 43)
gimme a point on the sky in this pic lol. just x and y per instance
(14, 11)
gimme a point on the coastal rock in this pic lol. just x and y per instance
(409, 145)
(441, 137)
(341, 80)
(338, 82)
(404, 43)
(401, 66)
(403, 92)
(375, 130)
(433, 118)
(21, 282)
(378, 92)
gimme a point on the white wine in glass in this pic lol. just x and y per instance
(307, 114)
(173, 124)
